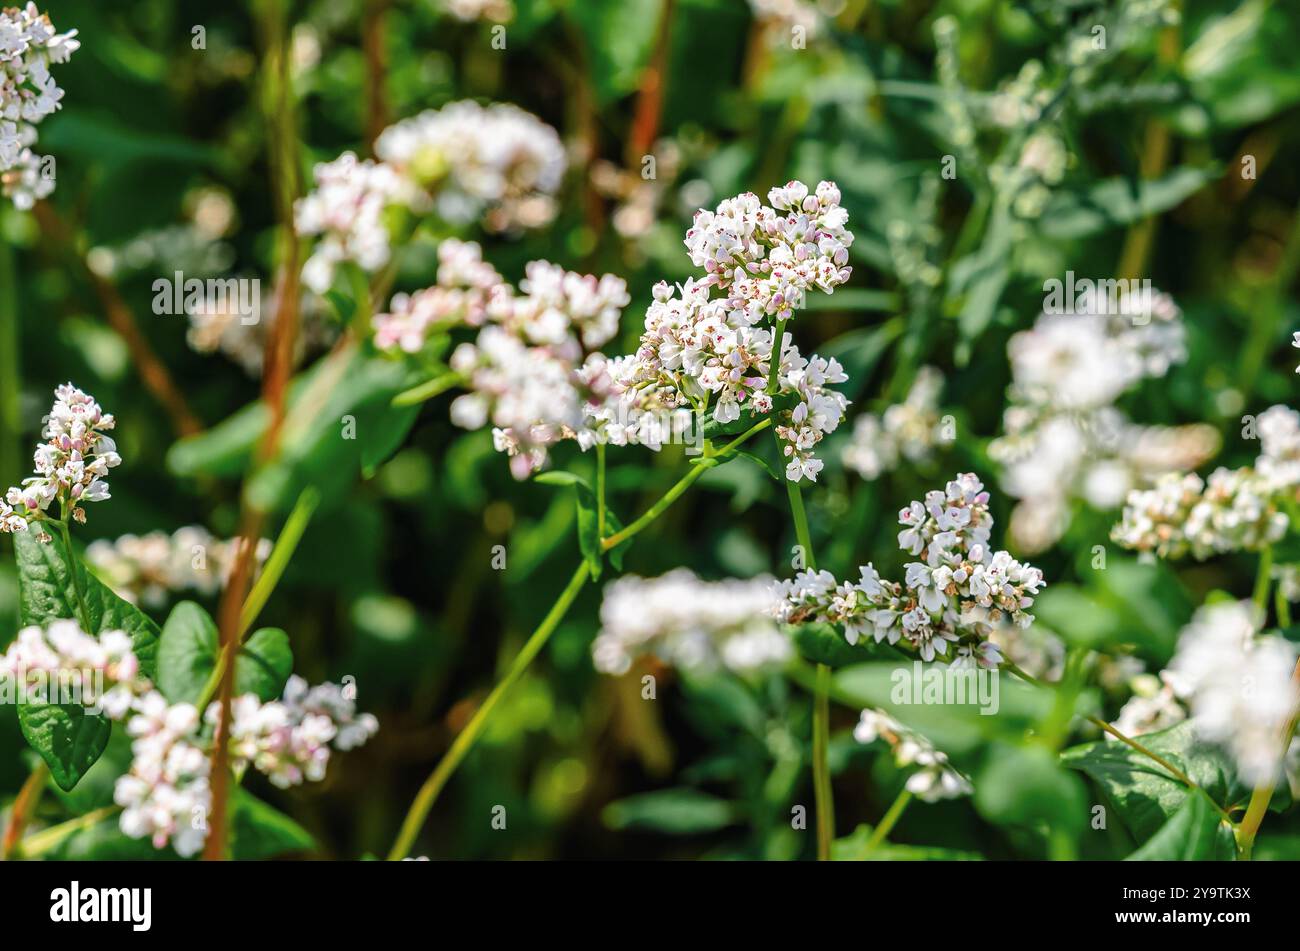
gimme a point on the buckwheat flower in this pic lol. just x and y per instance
(951, 601)
(1295, 342)
(29, 46)
(464, 285)
(70, 465)
(289, 740)
(215, 328)
(935, 778)
(60, 659)
(346, 211)
(699, 626)
(1063, 439)
(165, 794)
(26, 179)
(909, 430)
(765, 259)
(1279, 458)
(146, 569)
(1237, 685)
(1036, 650)
(496, 163)
(788, 15)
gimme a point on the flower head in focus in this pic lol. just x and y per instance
(71, 465)
(951, 600)
(29, 46)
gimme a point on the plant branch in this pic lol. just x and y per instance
(467, 737)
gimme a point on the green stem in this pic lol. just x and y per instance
(774, 361)
(465, 741)
(72, 569)
(1283, 607)
(41, 842)
(889, 820)
(1263, 576)
(822, 793)
(285, 545)
(600, 490)
(682, 484)
(428, 390)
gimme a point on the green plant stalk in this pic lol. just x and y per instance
(682, 484)
(426, 391)
(600, 490)
(1263, 795)
(1282, 606)
(72, 569)
(11, 467)
(285, 545)
(1263, 576)
(23, 807)
(39, 843)
(465, 740)
(889, 820)
(467, 737)
(822, 795)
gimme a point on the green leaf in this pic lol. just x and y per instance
(69, 739)
(1143, 793)
(681, 811)
(1027, 787)
(259, 831)
(588, 516)
(766, 465)
(384, 437)
(1116, 202)
(188, 656)
(1195, 833)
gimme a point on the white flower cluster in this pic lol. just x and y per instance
(346, 210)
(765, 259)
(289, 740)
(465, 161)
(459, 298)
(935, 778)
(909, 430)
(697, 625)
(495, 162)
(70, 465)
(958, 594)
(706, 351)
(232, 334)
(1232, 510)
(1063, 439)
(165, 794)
(103, 672)
(1153, 706)
(1237, 685)
(146, 569)
(28, 93)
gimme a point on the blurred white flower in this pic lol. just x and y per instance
(145, 569)
(1238, 686)
(909, 430)
(697, 625)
